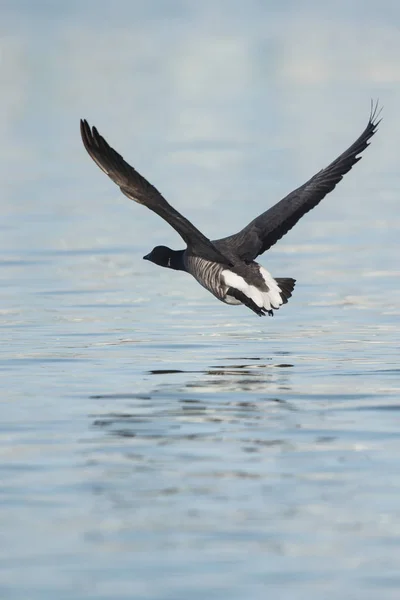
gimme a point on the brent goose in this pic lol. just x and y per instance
(227, 267)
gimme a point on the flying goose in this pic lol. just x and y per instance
(227, 267)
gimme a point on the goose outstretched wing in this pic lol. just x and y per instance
(265, 230)
(137, 188)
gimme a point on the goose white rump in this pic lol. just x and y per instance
(263, 299)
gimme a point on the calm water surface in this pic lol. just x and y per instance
(154, 442)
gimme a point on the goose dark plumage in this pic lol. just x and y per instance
(227, 267)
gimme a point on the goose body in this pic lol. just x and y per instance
(227, 267)
(248, 284)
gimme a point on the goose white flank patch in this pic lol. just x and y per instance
(227, 267)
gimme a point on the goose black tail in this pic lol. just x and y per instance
(286, 285)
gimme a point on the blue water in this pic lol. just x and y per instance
(155, 443)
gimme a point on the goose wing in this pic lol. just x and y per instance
(264, 231)
(137, 188)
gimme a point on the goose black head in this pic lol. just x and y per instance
(165, 257)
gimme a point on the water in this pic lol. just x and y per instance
(156, 443)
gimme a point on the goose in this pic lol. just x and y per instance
(227, 267)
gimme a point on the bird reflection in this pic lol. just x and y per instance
(184, 400)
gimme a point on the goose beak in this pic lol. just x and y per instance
(147, 257)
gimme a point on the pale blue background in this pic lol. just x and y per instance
(155, 443)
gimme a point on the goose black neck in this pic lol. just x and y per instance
(176, 260)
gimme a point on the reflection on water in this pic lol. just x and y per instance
(202, 408)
